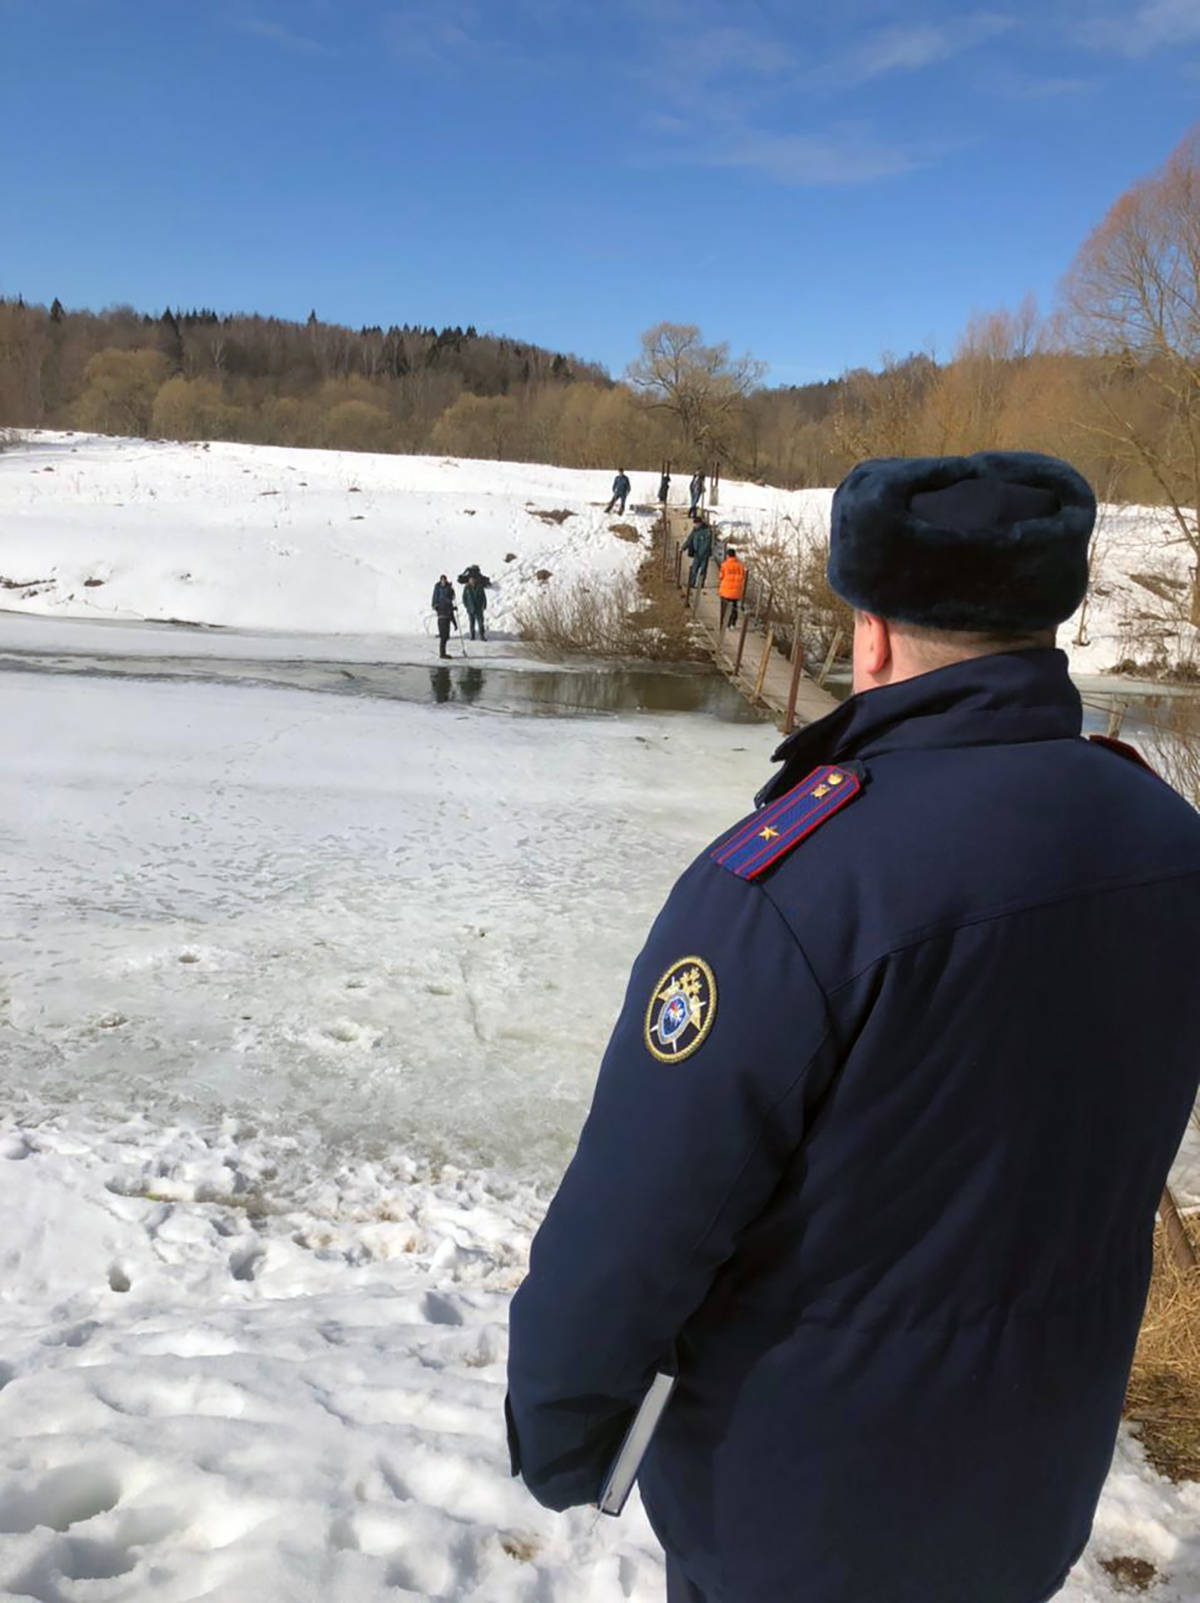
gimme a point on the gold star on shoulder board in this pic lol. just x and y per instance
(768, 833)
(821, 791)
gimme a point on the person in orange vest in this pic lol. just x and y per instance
(733, 583)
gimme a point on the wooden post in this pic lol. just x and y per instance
(678, 560)
(1116, 717)
(831, 658)
(714, 487)
(762, 667)
(741, 646)
(796, 651)
(789, 717)
(1175, 1235)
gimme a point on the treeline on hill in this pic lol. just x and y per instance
(200, 376)
(1111, 380)
(197, 375)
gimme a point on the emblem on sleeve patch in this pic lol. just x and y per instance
(773, 831)
(682, 1008)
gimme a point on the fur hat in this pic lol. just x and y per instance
(995, 543)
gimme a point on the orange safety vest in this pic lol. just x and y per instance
(733, 579)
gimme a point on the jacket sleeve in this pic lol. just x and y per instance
(675, 1159)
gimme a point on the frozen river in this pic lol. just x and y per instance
(307, 957)
(402, 912)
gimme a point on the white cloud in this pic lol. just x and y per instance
(433, 29)
(1153, 25)
(278, 33)
(1012, 86)
(910, 47)
(806, 160)
(847, 154)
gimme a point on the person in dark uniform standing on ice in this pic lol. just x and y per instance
(620, 492)
(474, 598)
(874, 1155)
(447, 615)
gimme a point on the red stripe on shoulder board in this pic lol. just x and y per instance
(770, 834)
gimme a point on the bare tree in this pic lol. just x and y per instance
(1132, 300)
(700, 386)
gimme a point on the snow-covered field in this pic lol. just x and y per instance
(324, 542)
(259, 538)
(301, 999)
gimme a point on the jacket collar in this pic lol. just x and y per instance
(988, 701)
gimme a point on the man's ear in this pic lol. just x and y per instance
(875, 644)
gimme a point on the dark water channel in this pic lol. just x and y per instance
(490, 687)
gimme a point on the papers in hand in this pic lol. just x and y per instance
(638, 1437)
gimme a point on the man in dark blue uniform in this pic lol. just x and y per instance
(876, 1147)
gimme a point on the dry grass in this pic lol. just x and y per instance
(1177, 754)
(1130, 1574)
(1163, 1399)
(643, 621)
(558, 516)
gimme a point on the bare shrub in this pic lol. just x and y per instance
(1177, 749)
(596, 618)
(789, 560)
(8, 439)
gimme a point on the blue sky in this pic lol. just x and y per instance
(817, 183)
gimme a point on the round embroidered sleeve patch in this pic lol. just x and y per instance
(682, 1008)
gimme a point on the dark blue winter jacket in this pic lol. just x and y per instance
(474, 598)
(892, 1216)
(700, 542)
(443, 598)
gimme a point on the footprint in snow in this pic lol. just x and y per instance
(65, 1497)
(439, 1310)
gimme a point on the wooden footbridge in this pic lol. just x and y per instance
(746, 652)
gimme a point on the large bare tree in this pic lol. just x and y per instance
(701, 387)
(1132, 299)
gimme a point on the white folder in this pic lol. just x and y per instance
(638, 1437)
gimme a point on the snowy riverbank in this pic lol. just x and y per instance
(261, 538)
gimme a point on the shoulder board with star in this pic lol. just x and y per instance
(771, 833)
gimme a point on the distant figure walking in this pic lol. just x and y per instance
(621, 489)
(697, 489)
(699, 547)
(664, 488)
(474, 599)
(733, 583)
(447, 615)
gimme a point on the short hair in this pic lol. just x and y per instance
(938, 648)
(730, 552)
